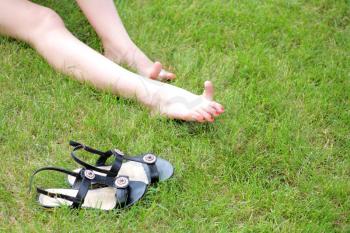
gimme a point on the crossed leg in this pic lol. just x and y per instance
(103, 16)
(44, 30)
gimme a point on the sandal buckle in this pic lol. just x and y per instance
(89, 174)
(122, 182)
(149, 158)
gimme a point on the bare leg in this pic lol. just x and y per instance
(118, 46)
(45, 31)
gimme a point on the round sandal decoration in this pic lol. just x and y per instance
(89, 174)
(122, 182)
(149, 158)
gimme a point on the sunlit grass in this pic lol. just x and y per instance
(277, 160)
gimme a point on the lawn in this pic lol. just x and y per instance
(277, 160)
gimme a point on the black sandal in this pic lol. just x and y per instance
(146, 167)
(119, 192)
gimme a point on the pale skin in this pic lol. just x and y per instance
(116, 42)
(44, 30)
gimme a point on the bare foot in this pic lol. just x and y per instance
(136, 59)
(177, 103)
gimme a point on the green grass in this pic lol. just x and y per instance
(276, 161)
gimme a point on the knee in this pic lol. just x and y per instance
(47, 22)
(50, 20)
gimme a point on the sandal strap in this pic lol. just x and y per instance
(89, 149)
(101, 161)
(117, 164)
(75, 174)
(89, 166)
(113, 172)
(122, 193)
(82, 191)
(153, 173)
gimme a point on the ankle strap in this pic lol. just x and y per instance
(111, 173)
(83, 188)
(103, 155)
(101, 161)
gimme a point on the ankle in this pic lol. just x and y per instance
(128, 53)
(151, 94)
(110, 46)
(113, 51)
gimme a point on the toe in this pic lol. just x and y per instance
(219, 108)
(207, 116)
(198, 117)
(171, 76)
(165, 75)
(211, 110)
(155, 70)
(208, 90)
